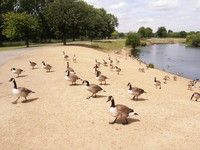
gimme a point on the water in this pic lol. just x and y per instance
(173, 58)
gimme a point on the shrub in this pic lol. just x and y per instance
(151, 65)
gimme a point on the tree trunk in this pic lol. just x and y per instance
(64, 40)
(27, 42)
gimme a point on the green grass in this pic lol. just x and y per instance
(164, 40)
(108, 45)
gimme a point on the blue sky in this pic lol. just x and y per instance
(176, 15)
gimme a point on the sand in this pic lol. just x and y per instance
(58, 116)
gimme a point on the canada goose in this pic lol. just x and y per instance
(135, 91)
(105, 63)
(111, 67)
(16, 71)
(101, 78)
(117, 61)
(93, 88)
(20, 91)
(98, 63)
(157, 83)
(141, 70)
(65, 56)
(192, 84)
(117, 69)
(71, 70)
(95, 69)
(175, 78)
(32, 64)
(120, 111)
(165, 79)
(46, 66)
(196, 95)
(111, 61)
(72, 77)
(74, 58)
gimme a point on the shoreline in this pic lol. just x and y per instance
(58, 116)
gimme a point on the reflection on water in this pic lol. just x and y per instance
(172, 58)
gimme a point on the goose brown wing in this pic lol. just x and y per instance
(138, 90)
(95, 88)
(123, 109)
(25, 90)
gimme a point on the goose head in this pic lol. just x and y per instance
(12, 69)
(85, 82)
(43, 62)
(11, 80)
(110, 98)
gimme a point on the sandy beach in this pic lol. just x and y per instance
(58, 116)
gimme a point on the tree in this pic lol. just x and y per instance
(145, 32)
(133, 39)
(20, 25)
(183, 34)
(148, 32)
(5, 7)
(193, 40)
(161, 32)
(141, 31)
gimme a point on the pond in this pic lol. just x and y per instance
(173, 58)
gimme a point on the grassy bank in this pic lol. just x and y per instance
(151, 41)
(103, 45)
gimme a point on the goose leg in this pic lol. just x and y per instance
(113, 121)
(24, 100)
(15, 102)
(90, 96)
(124, 123)
(133, 98)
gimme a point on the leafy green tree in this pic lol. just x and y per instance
(148, 32)
(121, 35)
(115, 34)
(59, 15)
(161, 32)
(133, 39)
(182, 34)
(145, 32)
(141, 31)
(5, 7)
(193, 40)
(20, 25)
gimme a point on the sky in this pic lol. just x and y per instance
(175, 15)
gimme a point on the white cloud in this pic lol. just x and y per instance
(119, 5)
(145, 20)
(163, 4)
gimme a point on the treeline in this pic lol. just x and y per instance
(40, 20)
(134, 38)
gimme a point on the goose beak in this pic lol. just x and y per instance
(108, 100)
(135, 113)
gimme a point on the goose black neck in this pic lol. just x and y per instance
(15, 84)
(112, 103)
(97, 75)
(130, 87)
(154, 79)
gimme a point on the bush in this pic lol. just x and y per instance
(193, 40)
(151, 65)
(133, 39)
(143, 43)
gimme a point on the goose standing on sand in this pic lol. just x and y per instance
(101, 78)
(65, 56)
(32, 64)
(20, 91)
(97, 63)
(72, 77)
(135, 91)
(157, 83)
(104, 63)
(196, 95)
(47, 67)
(71, 70)
(120, 111)
(16, 71)
(117, 69)
(93, 88)
(74, 58)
